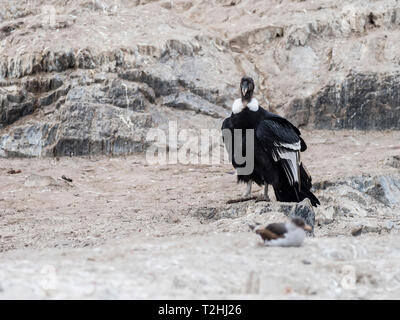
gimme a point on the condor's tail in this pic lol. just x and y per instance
(288, 193)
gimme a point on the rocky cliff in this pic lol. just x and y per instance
(92, 77)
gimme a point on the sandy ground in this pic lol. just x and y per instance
(123, 229)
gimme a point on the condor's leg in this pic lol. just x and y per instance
(266, 197)
(247, 194)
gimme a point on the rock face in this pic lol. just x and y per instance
(92, 77)
(89, 118)
(361, 101)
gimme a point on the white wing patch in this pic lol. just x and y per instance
(292, 146)
(292, 165)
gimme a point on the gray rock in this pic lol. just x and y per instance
(253, 211)
(166, 80)
(361, 101)
(372, 229)
(205, 212)
(30, 140)
(100, 129)
(81, 129)
(161, 80)
(39, 181)
(357, 231)
(393, 161)
(14, 107)
(304, 210)
(347, 204)
(385, 189)
(382, 188)
(118, 93)
(390, 225)
(190, 101)
(29, 95)
(263, 35)
(40, 85)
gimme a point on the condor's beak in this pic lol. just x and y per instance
(307, 228)
(244, 88)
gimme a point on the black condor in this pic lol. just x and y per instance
(277, 148)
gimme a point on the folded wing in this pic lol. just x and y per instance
(283, 142)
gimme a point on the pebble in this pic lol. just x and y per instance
(357, 231)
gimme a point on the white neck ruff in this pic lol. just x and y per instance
(238, 106)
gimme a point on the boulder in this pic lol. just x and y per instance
(248, 213)
(393, 162)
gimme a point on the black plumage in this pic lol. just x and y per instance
(277, 147)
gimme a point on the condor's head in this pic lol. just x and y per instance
(246, 93)
(246, 89)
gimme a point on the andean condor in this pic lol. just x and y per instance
(277, 147)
